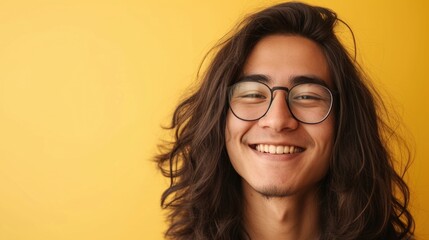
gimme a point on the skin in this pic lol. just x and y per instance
(280, 190)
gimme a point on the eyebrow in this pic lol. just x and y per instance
(294, 80)
(255, 78)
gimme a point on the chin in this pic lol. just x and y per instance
(274, 192)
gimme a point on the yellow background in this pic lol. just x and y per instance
(86, 85)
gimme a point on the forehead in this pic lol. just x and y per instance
(284, 57)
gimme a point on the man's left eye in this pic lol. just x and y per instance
(306, 97)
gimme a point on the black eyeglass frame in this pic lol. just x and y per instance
(287, 90)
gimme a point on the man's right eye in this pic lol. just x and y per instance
(253, 95)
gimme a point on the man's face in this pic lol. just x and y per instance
(281, 59)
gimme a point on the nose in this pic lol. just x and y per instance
(278, 116)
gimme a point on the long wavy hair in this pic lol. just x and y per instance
(363, 196)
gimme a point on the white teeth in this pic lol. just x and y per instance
(286, 149)
(273, 149)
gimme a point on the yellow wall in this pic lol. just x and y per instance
(85, 85)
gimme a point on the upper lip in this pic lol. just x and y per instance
(276, 144)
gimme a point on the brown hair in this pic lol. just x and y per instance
(358, 193)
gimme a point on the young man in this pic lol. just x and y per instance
(282, 141)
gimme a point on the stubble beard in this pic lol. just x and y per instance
(270, 192)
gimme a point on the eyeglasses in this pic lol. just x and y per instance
(308, 103)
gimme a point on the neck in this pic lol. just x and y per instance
(291, 217)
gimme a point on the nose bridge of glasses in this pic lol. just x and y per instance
(279, 88)
(284, 97)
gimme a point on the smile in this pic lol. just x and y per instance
(277, 149)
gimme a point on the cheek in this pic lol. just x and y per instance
(235, 131)
(329, 131)
(325, 137)
(230, 131)
(232, 127)
(229, 138)
(322, 138)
